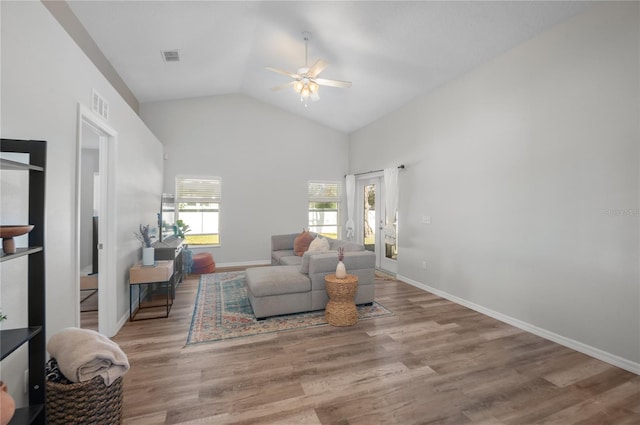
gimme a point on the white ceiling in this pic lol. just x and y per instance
(392, 51)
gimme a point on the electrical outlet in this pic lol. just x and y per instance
(25, 381)
(424, 265)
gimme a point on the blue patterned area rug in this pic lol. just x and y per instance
(223, 311)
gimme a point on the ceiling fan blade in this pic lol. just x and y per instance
(280, 71)
(317, 68)
(283, 86)
(333, 83)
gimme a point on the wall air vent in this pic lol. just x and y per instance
(99, 105)
(170, 56)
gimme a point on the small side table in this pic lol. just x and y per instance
(341, 308)
(156, 279)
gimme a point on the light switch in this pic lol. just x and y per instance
(426, 219)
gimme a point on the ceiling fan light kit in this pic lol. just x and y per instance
(306, 83)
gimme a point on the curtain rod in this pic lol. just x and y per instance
(400, 167)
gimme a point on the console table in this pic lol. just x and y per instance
(158, 283)
(171, 249)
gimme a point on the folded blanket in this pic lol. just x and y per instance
(83, 354)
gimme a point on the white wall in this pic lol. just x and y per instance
(264, 155)
(529, 169)
(44, 76)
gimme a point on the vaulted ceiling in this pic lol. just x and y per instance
(392, 51)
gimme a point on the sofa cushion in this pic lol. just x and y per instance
(336, 244)
(278, 255)
(279, 242)
(319, 244)
(302, 242)
(324, 262)
(291, 260)
(276, 280)
(304, 266)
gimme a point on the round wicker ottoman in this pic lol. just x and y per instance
(341, 308)
(203, 263)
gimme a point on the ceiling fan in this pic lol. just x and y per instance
(305, 81)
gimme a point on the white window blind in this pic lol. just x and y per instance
(324, 207)
(198, 189)
(325, 191)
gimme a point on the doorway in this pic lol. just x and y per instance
(89, 226)
(371, 219)
(95, 207)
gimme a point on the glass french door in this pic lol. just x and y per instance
(371, 221)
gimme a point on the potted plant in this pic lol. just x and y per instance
(148, 253)
(181, 228)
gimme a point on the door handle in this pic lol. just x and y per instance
(100, 246)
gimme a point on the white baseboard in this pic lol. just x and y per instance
(119, 324)
(551, 336)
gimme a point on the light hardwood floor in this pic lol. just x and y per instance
(433, 362)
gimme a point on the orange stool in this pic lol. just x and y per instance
(203, 263)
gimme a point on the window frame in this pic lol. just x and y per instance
(216, 198)
(317, 197)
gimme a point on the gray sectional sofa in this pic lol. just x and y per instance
(294, 284)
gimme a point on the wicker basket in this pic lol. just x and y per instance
(84, 403)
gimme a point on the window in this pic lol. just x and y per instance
(324, 208)
(198, 206)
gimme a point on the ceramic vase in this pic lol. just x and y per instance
(7, 405)
(148, 256)
(341, 271)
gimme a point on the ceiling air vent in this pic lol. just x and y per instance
(99, 105)
(170, 56)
